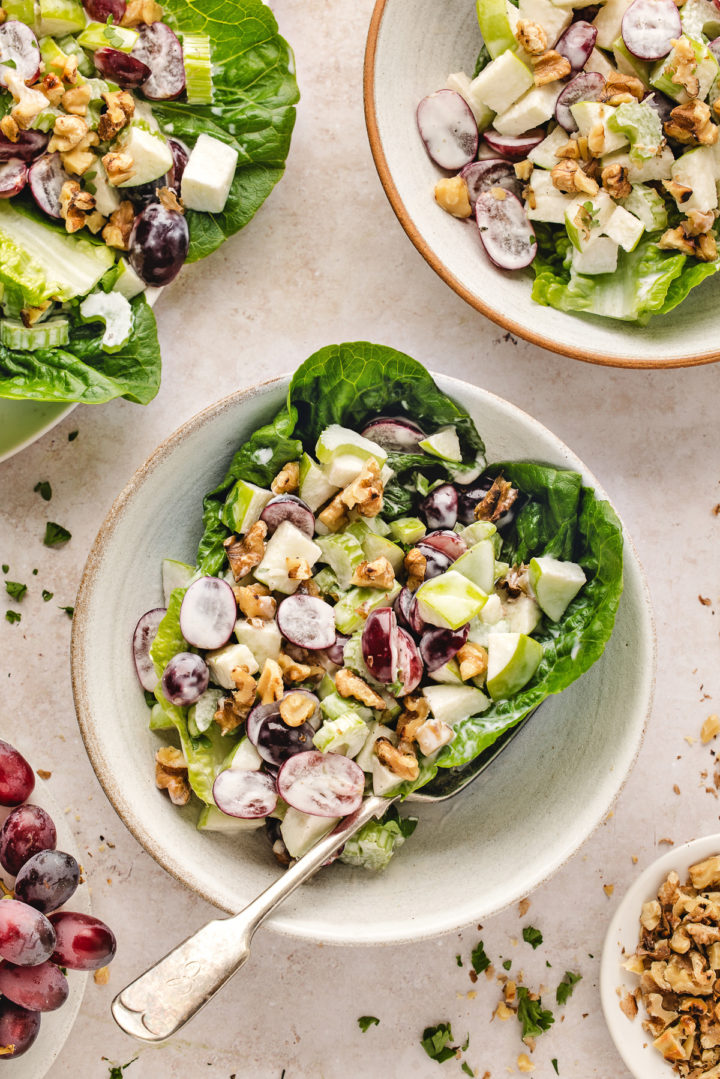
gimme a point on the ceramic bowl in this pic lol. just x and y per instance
(412, 47)
(632, 1042)
(469, 857)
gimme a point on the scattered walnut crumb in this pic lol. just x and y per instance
(705, 600)
(676, 789)
(102, 976)
(634, 859)
(523, 907)
(710, 729)
(43, 773)
(524, 1063)
(287, 480)
(608, 889)
(667, 841)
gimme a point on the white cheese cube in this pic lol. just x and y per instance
(598, 257)
(624, 228)
(502, 82)
(552, 18)
(550, 204)
(696, 169)
(150, 153)
(533, 109)
(208, 175)
(286, 542)
(223, 661)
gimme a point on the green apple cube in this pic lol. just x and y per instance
(343, 469)
(452, 704)
(244, 505)
(375, 730)
(315, 488)
(624, 228)
(360, 528)
(478, 564)
(407, 530)
(244, 757)
(627, 64)
(384, 781)
(555, 584)
(301, 831)
(513, 659)
(100, 35)
(22, 10)
(287, 541)
(502, 82)
(262, 638)
(495, 26)
(449, 600)
(53, 56)
(587, 116)
(522, 614)
(448, 674)
(478, 530)
(343, 554)
(586, 218)
(346, 734)
(61, 17)
(444, 443)
(176, 575)
(212, 819)
(706, 71)
(336, 440)
(347, 615)
(608, 22)
(375, 546)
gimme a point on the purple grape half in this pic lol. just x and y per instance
(307, 621)
(288, 508)
(185, 678)
(143, 637)
(448, 129)
(208, 613)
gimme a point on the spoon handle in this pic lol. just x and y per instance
(158, 1003)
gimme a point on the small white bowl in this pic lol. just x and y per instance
(632, 1042)
(469, 857)
(412, 47)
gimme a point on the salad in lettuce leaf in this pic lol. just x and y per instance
(134, 137)
(372, 602)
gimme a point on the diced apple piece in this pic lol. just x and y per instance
(696, 169)
(301, 831)
(532, 110)
(624, 228)
(286, 542)
(555, 584)
(336, 440)
(262, 638)
(451, 704)
(544, 154)
(462, 84)
(315, 488)
(502, 82)
(588, 114)
(449, 600)
(495, 26)
(550, 204)
(513, 659)
(244, 505)
(223, 661)
(208, 175)
(608, 22)
(553, 19)
(478, 564)
(586, 217)
(444, 443)
(600, 256)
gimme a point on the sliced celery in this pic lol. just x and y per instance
(61, 16)
(100, 35)
(22, 10)
(50, 334)
(198, 72)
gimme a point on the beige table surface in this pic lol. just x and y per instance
(325, 260)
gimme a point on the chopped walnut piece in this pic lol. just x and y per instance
(415, 712)
(415, 564)
(628, 1005)
(270, 684)
(120, 223)
(710, 729)
(102, 976)
(401, 761)
(245, 686)
(366, 492)
(70, 69)
(451, 195)
(651, 914)
(76, 100)
(294, 671)
(78, 160)
(119, 167)
(120, 108)
(247, 553)
(296, 708)
(255, 601)
(676, 240)
(569, 151)
(497, 501)
(229, 715)
(68, 131)
(690, 124)
(349, 684)
(377, 574)
(169, 200)
(706, 248)
(171, 775)
(617, 83)
(550, 66)
(697, 222)
(614, 178)
(335, 516)
(433, 735)
(3, 15)
(298, 569)
(140, 12)
(705, 874)
(54, 89)
(75, 205)
(9, 128)
(473, 661)
(683, 66)
(523, 169)
(287, 479)
(596, 140)
(567, 176)
(524, 1063)
(30, 315)
(531, 37)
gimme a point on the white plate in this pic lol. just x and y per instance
(55, 1027)
(412, 47)
(632, 1042)
(469, 857)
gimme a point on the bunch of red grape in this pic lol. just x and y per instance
(37, 940)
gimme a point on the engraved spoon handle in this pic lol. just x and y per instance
(158, 1003)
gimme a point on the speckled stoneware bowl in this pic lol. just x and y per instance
(632, 1042)
(412, 47)
(469, 857)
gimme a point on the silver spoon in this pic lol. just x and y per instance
(158, 1003)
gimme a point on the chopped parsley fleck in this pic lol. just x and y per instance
(15, 590)
(533, 936)
(436, 1042)
(555, 1065)
(565, 989)
(69, 611)
(534, 1018)
(72, 436)
(465, 1067)
(111, 35)
(507, 964)
(13, 616)
(55, 535)
(478, 958)
(458, 960)
(43, 488)
(10, 63)
(116, 1070)
(35, 573)
(5, 567)
(47, 595)
(367, 1021)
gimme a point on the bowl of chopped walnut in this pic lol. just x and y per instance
(660, 972)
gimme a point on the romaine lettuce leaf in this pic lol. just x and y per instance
(253, 107)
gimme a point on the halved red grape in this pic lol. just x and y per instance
(160, 50)
(336, 651)
(401, 606)
(46, 178)
(102, 10)
(649, 28)
(379, 644)
(208, 613)
(468, 498)
(410, 663)
(143, 637)
(394, 433)
(587, 86)
(446, 541)
(158, 243)
(27, 830)
(13, 177)
(418, 624)
(181, 155)
(185, 678)
(577, 43)
(490, 172)
(440, 507)
(438, 646)
(83, 942)
(448, 129)
(257, 716)
(20, 50)
(307, 621)
(39, 989)
(127, 71)
(322, 784)
(18, 1029)
(46, 881)
(240, 793)
(17, 780)
(26, 936)
(29, 145)
(288, 508)
(436, 562)
(505, 232)
(514, 147)
(661, 104)
(276, 742)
